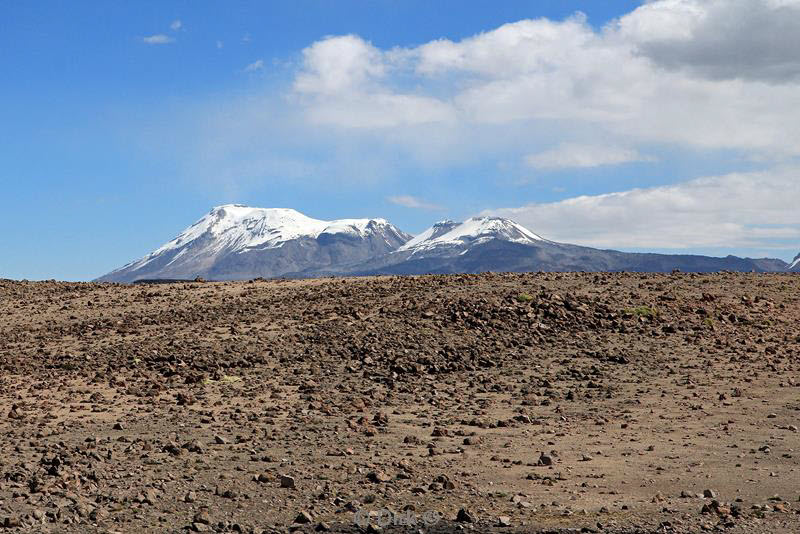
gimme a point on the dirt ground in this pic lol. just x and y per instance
(477, 403)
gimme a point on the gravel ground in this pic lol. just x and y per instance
(481, 403)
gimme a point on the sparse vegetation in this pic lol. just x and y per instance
(642, 311)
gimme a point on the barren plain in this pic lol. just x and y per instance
(479, 403)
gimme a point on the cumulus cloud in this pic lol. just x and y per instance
(572, 155)
(255, 66)
(734, 210)
(671, 71)
(408, 201)
(157, 39)
(341, 83)
(176, 25)
(751, 39)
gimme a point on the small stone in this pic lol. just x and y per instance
(150, 496)
(287, 481)
(303, 518)
(202, 517)
(504, 521)
(443, 482)
(219, 440)
(99, 514)
(464, 516)
(190, 497)
(545, 460)
(378, 477)
(709, 494)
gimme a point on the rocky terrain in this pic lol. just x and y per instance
(478, 403)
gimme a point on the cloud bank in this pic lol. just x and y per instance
(757, 209)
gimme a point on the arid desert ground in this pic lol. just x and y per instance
(476, 403)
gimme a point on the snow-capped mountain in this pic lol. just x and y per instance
(449, 236)
(495, 244)
(794, 267)
(236, 241)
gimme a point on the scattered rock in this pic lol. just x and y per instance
(464, 516)
(303, 518)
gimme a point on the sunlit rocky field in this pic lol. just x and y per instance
(496, 402)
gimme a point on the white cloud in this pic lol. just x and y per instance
(408, 201)
(756, 209)
(721, 39)
(671, 71)
(157, 39)
(572, 155)
(255, 66)
(176, 25)
(341, 84)
(338, 64)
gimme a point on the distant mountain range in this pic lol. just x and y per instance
(235, 242)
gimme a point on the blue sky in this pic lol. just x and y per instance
(613, 124)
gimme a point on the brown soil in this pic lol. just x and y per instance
(547, 402)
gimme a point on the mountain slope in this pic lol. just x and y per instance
(794, 267)
(495, 244)
(240, 242)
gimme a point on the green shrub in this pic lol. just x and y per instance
(642, 311)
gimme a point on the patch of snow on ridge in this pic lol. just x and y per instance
(795, 263)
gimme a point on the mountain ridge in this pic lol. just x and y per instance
(234, 242)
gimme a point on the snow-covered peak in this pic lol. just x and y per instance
(472, 231)
(795, 263)
(243, 226)
(235, 228)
